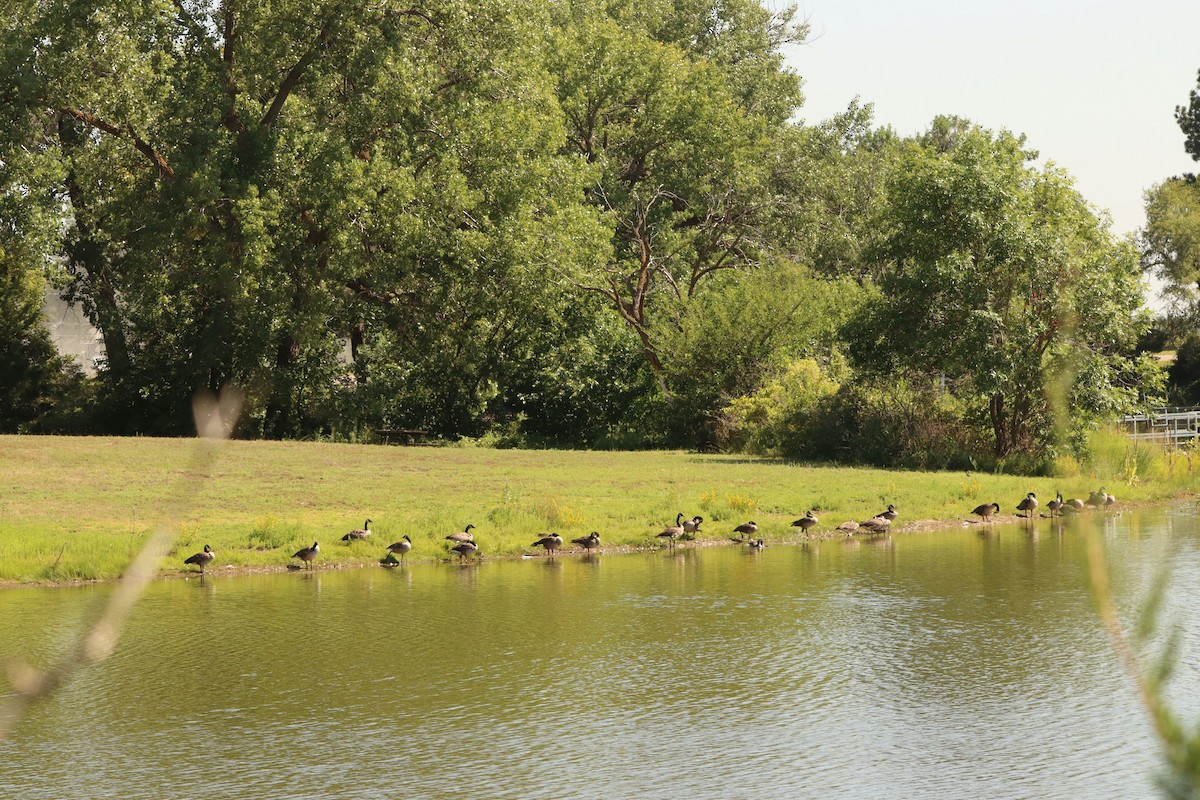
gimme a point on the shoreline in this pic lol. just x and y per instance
(824, 535)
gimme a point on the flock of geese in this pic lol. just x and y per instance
(464, 544)
(1057, 507)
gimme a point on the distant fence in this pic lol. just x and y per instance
(1174, 425)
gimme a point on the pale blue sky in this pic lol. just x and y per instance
(1092, 84)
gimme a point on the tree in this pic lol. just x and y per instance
(679, 108)
(1170, 242)
(1188, 118)
(999, 276)
(247, 191)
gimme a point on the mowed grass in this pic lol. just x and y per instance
(78, 508)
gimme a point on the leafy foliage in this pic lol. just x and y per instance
(999, 277)
(580, 223)
(1188, 118)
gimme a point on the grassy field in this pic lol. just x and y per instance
(78, 508)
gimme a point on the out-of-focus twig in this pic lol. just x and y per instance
(1181, 749)
(215, 420)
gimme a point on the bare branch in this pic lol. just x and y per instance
(296, 73)
(215, 419)
(140, 144)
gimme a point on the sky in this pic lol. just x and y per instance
(1093, 85)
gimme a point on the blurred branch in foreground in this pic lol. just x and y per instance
(215, 419)
(1181, 748)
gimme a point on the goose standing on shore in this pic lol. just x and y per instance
(589, 542)
(809, 520)
(986, 510)
(307, 554)
(464, 549)
(1055, 505)
(202, 559)
(400, 548)
(671, 532)
(749, 529)
(692, 525)
(550, 542)
(1028, 505)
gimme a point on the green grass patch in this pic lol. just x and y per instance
(77, 508)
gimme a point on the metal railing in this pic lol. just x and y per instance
(1173, 425)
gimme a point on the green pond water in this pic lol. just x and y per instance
(961, 663)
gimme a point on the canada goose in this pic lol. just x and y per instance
(692, 525)
(588, 542)
(1055, 505)
(1096, 499)
(389, 561)
(201, 559)
(672, 531)
(1028, 504)
(876, 524)
(809, 520)
(756, 544)
(307, 554)
(1109, 500)
(986, 510)
(849, 527)
(550, 542)
(465, 536)
(1074, 505)
(464, 549)
(889, 515)
(400, 548)
(750, 528)
(363, 533)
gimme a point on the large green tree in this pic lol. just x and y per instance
(247, 190)
(680, 108)
(998, 276)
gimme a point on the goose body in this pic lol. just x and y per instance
(202, 559)
(1028, 505)
(400, 548)
(986, 510)
(464, 536)
(1055, 505)
(464, 549)
(749, 529)
(756, 544)
(876, 524)
(361, 533)
(889, 515)
(550, 542)
(671, 532)
(809, 520)
(849, 527)
(692, 525)
(307, 554)
(1074, 504)
(592, 540)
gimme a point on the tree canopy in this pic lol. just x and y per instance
(577, 222)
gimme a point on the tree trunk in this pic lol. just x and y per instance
(94, 274)
(1000, 426)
